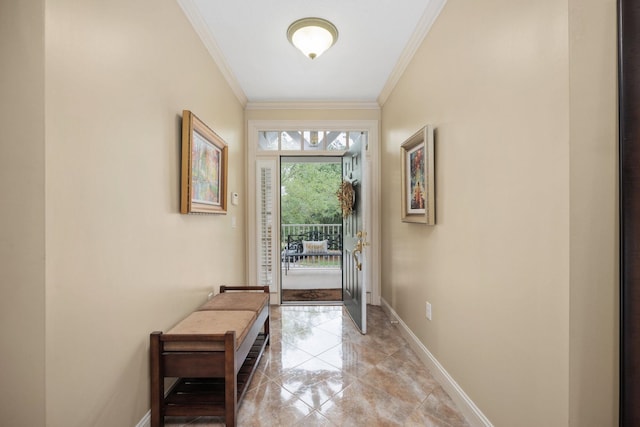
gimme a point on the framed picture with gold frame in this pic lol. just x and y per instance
(203, 186)
(418, 178)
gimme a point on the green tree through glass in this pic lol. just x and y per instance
(308, 193)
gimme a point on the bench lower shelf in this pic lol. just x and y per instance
(205, 396)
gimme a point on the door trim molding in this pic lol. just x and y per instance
(373, 228)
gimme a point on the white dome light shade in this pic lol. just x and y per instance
(312, 36)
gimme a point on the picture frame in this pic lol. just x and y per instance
(203, 184)
(418, 178)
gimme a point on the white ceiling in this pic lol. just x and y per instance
(247, 38)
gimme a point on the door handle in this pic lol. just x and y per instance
(362, 239)
(359, 246)
(356, 250)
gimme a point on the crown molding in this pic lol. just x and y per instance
(430, 15)
(433, 10)
(197, 21)
(312, 105)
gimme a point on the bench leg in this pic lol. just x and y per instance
(157, 381)
(230, 380)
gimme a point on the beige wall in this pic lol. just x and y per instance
(521, 268)
(121, 260)
(22, 268)
(594, 243)
(500, 267)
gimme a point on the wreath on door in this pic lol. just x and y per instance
(346, 196)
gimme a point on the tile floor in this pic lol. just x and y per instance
(320, 371)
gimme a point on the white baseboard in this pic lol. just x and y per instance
(145, 421)
(472, 413)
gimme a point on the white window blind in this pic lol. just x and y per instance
(266, 227)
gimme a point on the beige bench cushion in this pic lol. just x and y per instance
(252, 301)
(210, 322)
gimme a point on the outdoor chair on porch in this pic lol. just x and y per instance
(312, 247)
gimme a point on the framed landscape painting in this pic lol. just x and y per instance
(204, 168)
(418, 178)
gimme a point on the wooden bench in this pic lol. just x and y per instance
(213, 353)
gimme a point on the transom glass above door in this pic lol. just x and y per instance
(306, 140)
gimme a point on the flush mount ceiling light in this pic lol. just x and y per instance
(312, 35)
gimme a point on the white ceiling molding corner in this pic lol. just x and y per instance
(312, 106)
(197, 21)
(423, 27)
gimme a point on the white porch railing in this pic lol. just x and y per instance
(295, 229)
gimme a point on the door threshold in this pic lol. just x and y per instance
(337, 303)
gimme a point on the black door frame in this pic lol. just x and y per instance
(291, 157)
(629, 181)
